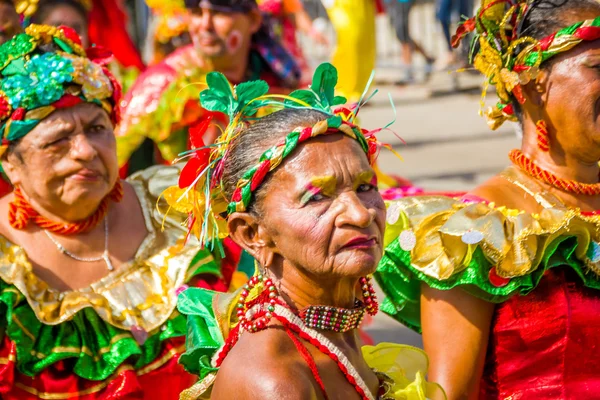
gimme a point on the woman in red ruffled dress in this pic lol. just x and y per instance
(504, 282)
(89, 270)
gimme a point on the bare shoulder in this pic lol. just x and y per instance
(264, 365)
(504, 193)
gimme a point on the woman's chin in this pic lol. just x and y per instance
(361, 263)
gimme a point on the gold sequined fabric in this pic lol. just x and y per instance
(511, 240)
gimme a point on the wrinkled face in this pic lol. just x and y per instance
(572, 98)
(69, 157)
(68, 16)
(322, 209)
(9, 22)
(220, 34)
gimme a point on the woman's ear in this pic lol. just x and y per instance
(8, 165)
(256, 20)
(246, 231)
(536, 91)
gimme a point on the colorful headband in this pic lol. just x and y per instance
(200, 192)
(509, 61)
(29, 7)
(34, 81)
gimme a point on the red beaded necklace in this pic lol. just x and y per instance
(20, 212)
(527, 165)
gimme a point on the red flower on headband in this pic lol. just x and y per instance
(18, 114)
(68, 100)
(70, 34)
(5, 107)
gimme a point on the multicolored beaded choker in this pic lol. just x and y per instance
(335, 319)
(570, 186)
(20, 212)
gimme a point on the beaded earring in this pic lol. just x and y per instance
(258, 321)
(369, 296)
(543, 141)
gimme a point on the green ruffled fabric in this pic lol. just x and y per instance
(96, 347)
(204, 335)
(400, 275)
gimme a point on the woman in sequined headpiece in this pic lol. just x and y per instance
(504, 282)
(89, 271)
(296, 189)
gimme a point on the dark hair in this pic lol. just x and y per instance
(545, 17)
(255, 139)
(45, 7)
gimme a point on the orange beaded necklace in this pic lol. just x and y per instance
(20, 212)
(526, 164)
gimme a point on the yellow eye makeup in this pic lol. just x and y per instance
(324, 185)
(365, 178)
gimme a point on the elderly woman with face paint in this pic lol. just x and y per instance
(504, 282)
(297, 191)
(89, 270)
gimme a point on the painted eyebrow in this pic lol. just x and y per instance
(365, 177)
(321, 184)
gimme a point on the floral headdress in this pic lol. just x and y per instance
(508, 60)
(200, 192)
(45, 69)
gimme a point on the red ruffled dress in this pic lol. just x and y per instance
(542, 271)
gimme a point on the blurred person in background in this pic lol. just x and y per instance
(399, 11)
(356, 47)
(227, 36)
(287, 17)
(92, 20)
(10, 23)
(169, 28)
(444, 11)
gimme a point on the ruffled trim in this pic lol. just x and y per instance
(125, 318)
(493, 253)
(97, 347)
(403, 369)
(125, 383)
(160, 267)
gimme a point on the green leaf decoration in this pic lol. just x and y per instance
(339, 100)
(307, 96)
(323, 84)
(219, 96)
(15, 67)
(20, 45)
(64, 46)
(248, 91)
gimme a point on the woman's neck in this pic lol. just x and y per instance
(66, 213)
(301, 291)
(563, 165)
